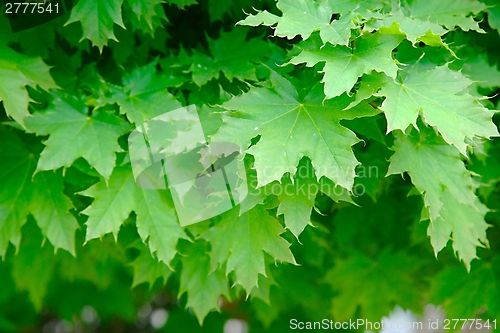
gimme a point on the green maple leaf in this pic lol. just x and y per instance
(388, 285)
(203, 286)
(148, 14)
(368, 86)
(242, 241)
(415, 30)
(448, 192)
(493, 14)
(297, 197)
(157, 224)
(232, 54)
(112, 204)
(303, 18)
(465, 224)
(33, 68)
(74, 134)
(156, 220)
(291, 127)
(343, 65)
(97, 19)
(481, 72)
(16, 188)
(42, 197)
(147, 268)
(50, 207)
(296, 202)
(448, 13)
(435, 93)
(16, 72)
(145, 94)
(365, 10)
(13, 93)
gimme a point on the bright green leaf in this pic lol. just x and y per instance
(203, 285)
(50, 208)
(303, 18)
(479, 70)
(98, 19)
(242, 241)
(297, 198)
(438, 173)
(449, 13)
(16, 72)
(436, 94)
(148, 13)
(232, 54)
(415, 30)
(74, 134)
(145, 94)
(157, 224)
(292, 127)
(344, 65)
(112, 204)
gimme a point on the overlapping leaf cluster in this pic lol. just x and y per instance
(317, 94)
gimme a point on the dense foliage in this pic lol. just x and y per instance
(369, 136)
